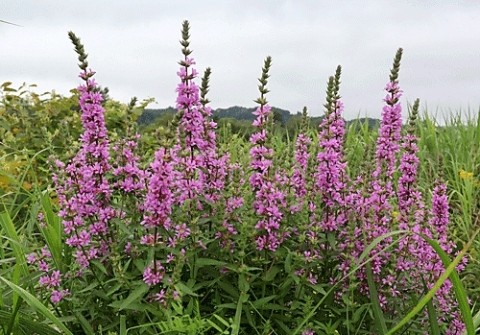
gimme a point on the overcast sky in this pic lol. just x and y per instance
(133, 46)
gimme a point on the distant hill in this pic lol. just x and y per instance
(242, 113)
(150, 115)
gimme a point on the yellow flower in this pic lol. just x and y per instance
(27, 186)
(12, 166)
(465, 175)
(5, 183)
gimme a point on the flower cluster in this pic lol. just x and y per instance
(376, 207)
(160, 198)
(330, 177)
(298, 181)
(233, 203)
(51, 280)
(130, 177)
(215, 164)
(270, 200)
(83, 189)
(414, 266)
(191, 130)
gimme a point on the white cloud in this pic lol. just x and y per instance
(133, 46)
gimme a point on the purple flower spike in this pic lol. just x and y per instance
(83, 190)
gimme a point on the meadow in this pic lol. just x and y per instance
(188, 227)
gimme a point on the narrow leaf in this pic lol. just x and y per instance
(430, 294)
(377, 309)
(433, 320)
(37, 305)
(12, 236)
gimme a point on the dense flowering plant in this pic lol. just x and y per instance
(298, 180)
(413, 266)
(250, 244)
(270, 200)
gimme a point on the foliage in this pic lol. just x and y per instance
(283, 226)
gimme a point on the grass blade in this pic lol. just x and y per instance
(123, 325)
(476, 321)
(12, 236)
(449, 272)
(460, 292)
(37, 305)
(238, 313)
(432, 318)
(52, 232)
(377, 309)
(359, 265)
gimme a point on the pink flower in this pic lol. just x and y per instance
(182, 231)
(160, 197)
(44, 280)
(31, 258)
(43, 266)
(46, 252)
(330, 177)
(55, 278)
(153, 275)
(270, 200)
(160, 296)
(83, 190)
(58, 295)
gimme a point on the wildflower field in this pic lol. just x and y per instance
(190, 228)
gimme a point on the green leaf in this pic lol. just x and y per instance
(87, 328)
(37, 305)
(433, 320)
(318, 288)
(28, 325)
(6, 84)
(258, 304)
(114, 289)
(229, 305)
(238, 313)
(449, 272)
(89, 287)
(222, 320)
(460, 292)
(100, 266)
(377, 309)
(288, 263)
(12, 236)
(200, 262)
(123, 325)
(185, 289)
(271, 273)
(359, 265)
(52, 232)
(135, 295)
(14, 322)
(229, 288)
(476, 320)
(376, 241)
(243, 284)
(216, 327)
